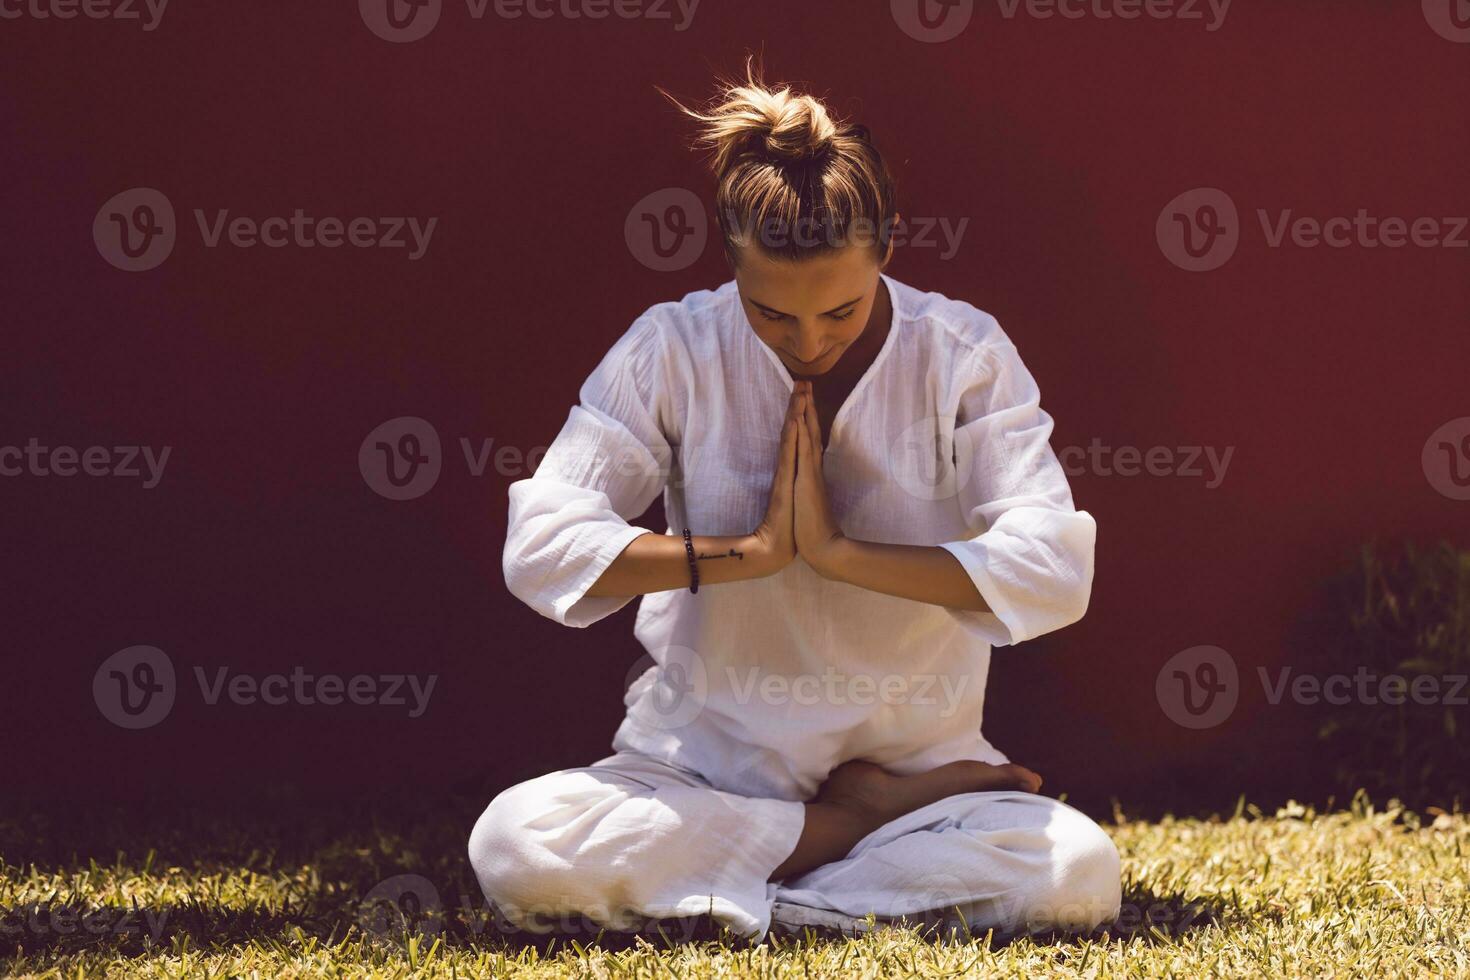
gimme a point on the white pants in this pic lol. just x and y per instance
(631, 839)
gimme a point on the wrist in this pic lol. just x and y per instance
(764, 556)
(833, 557)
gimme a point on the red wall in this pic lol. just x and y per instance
(1060, 139)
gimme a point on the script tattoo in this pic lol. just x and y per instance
(732, 553)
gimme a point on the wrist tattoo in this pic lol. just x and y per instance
(732, 553)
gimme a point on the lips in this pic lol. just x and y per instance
(814, 360)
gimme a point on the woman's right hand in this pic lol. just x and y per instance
(776, 536)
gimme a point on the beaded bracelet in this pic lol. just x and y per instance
(693, 568)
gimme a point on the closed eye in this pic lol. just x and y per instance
(838, 313)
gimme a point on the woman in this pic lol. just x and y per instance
(862, 503)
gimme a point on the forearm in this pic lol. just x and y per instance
(658, 563)
(922, 573)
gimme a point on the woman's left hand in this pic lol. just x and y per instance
(818, 538)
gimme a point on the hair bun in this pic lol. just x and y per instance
(793, 180)
(773, 125)
(796, 127)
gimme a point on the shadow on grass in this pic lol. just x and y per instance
(381, 876)
(68, 928)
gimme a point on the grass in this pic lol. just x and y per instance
(1296, 893)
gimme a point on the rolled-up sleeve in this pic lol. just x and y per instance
(1031, 558)
(569, 521)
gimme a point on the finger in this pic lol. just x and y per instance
(805, 454)
(786, 455)
(794, 404)
(800, 454)
(813, 427)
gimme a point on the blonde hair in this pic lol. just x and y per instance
(791, 179)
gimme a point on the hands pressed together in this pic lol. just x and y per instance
(799, 518)
(798, 521)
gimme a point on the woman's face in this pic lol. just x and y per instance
(809, 311)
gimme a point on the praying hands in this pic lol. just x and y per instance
(798, 521)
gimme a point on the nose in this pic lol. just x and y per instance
(808, 343)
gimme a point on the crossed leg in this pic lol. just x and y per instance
(630, 839)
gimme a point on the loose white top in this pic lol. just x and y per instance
(763, 686)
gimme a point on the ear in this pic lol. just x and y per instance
(888, 252)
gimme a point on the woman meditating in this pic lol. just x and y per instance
(862, 502)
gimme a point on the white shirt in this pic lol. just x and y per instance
(763, 686)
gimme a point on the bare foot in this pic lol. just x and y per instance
(859, 797)
(869, 787)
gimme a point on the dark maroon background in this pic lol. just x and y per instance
(1061, 140)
